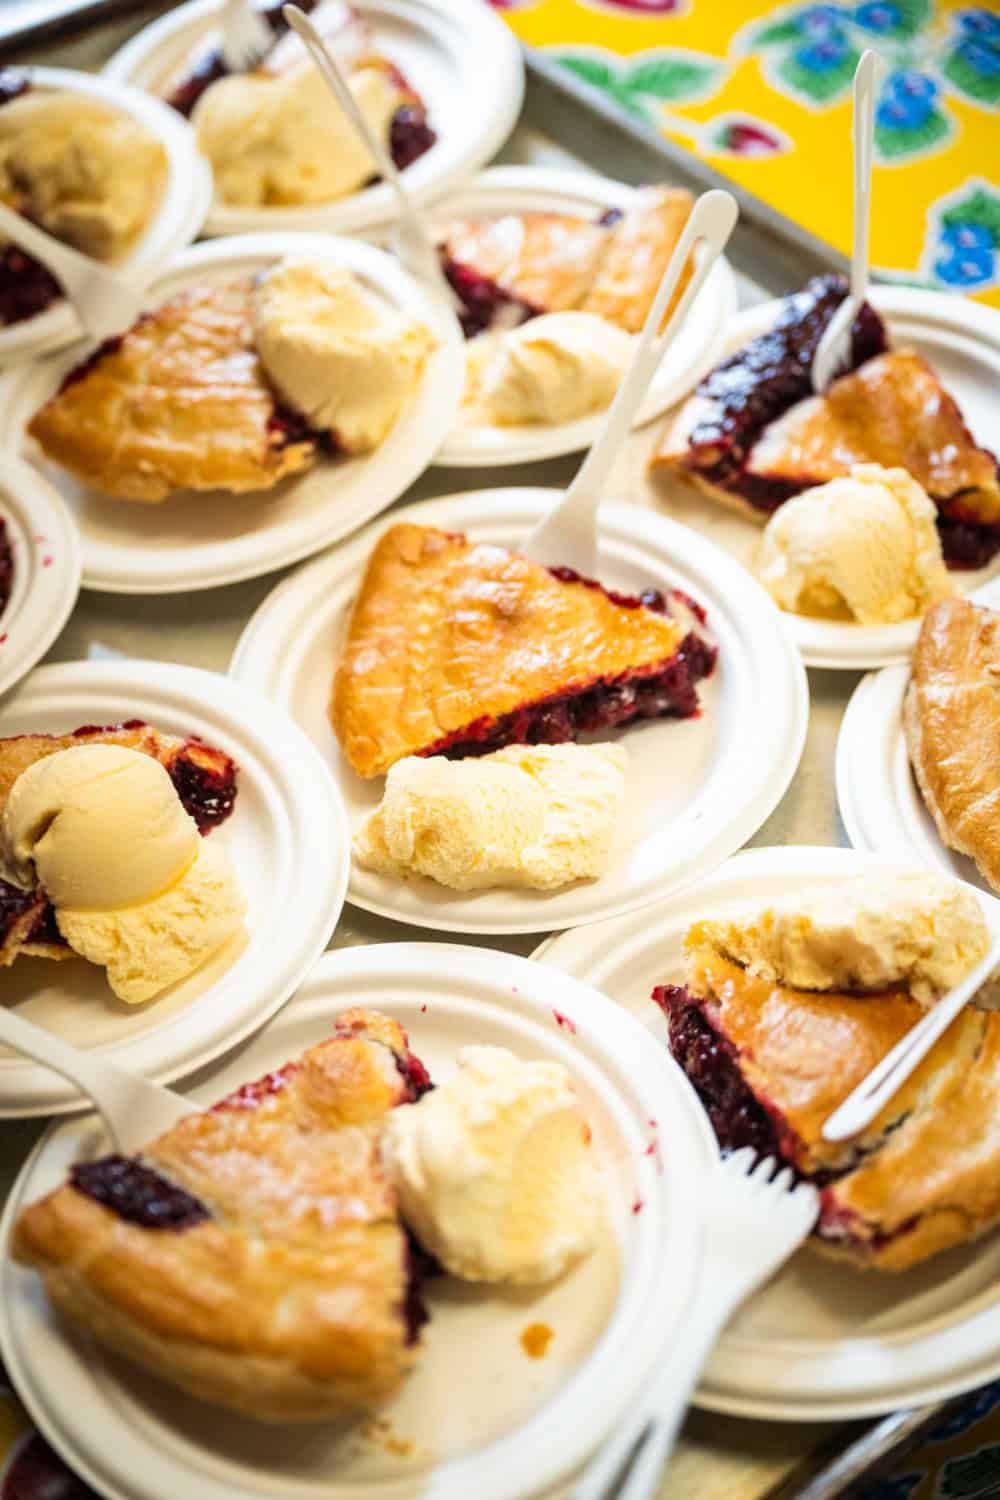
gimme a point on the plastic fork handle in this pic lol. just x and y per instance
(56, 257)
(648, 1437)
(712, 219)
(84, 1073)
(864, 137)
(874, 1092)
(327, 65)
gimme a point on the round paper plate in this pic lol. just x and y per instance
(477, 1417)
(462, 60)
(961, 339)
(822, 1341)
(696, 789)
(696, 348)
(878, 798)
(197, 540)
(185, 200)
(289, 845)
(46, 553)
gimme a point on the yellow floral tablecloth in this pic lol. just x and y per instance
(763, 94)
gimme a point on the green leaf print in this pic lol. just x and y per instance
(980, 207)
(778, 34)
(892, 143)
(983, 87)
(590, 69)
(671, 78)
(913, 16)
(820, 86)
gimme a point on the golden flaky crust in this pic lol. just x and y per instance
(287, 1303)
(562, 263)
(951, 715)
(21, 751)
(891, 411)
(926, 1174)
(446, 632)
(640, 248)
(180, 403)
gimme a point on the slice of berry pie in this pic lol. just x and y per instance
(206, 784)
(253, 1255)
(179, 402)
(753, 434)
(771, 1064)
(951, 716)
(457, 647)
(510, 268)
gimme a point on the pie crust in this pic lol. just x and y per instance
(772, 1063)
(180, 402)
(205, 779)
(253, 1255)
(951, 716)
(459, 647)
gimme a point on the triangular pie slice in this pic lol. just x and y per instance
(206, 783)
(179, 402)
(753, 435)
(457, 647)
(951, 716)
(771, 1064)
(518, 265)
(253, 1255)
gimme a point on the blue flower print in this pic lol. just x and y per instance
(965, 236)
(878, 16)
(979, 23)
(966, 268)
(907, 116)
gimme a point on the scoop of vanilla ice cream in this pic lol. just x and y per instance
(86, 173)
(553, 369)
(101, 826)
(886, 928)
(147, 947)
(336, 355)
(495, 1170)
(538, 816)
(864, 548)
(285, 141)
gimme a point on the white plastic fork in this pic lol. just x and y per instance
(106, 302)
(833, 350)
(134, 1111)
(567, 535)
(754, 1220)
(414, 240)
(873, 1093)
(246, 36)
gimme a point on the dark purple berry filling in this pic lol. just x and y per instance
(414, 1074)
(137, 1193)
(207, 792)
(36, 1473)
(410, 136)
(211, 66)
(761, 381)
(26, 287)
(6, 566)
(665, 690)
(483, 302)
(966, 542)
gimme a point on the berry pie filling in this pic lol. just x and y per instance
(663, 689)
(740, 1117)
(6, 566)
(760, 382)
(138, 1193)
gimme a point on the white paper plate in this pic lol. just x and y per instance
(821, 1342)
(486, 1421)
(197, 541)
(696, 789)
(288, 840)
(184, 203)
(461, 59)
(695, 350)
(961, 339)
(46, 551)
(878, 798)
